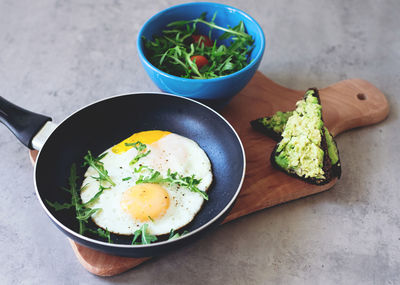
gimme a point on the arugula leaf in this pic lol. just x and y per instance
(190, 182)
(140, 168)
(85, 213)
(97, 165)
(173, 235)
(139, 156)
(136, 234)
(82, 212)
(145, 237)
(66, 189)
(96, 196)
(101, 233)
(104, 234)
(140, 147)
(57, 206)
(75, 199)
(154, 177)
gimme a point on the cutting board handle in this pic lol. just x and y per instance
(352, 103)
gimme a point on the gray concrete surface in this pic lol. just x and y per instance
(56, 56)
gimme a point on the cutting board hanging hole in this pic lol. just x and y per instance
(361, 96)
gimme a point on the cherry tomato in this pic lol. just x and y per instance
(202, 39)
(199, 60)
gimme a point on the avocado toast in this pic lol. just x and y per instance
(306, 148)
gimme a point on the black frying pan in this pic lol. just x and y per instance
(107, 122)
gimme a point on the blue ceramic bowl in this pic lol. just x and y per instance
(220, 89)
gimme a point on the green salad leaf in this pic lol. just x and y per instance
(141, 148)
(96, 196)
(98, 166)
(82, 210)
(104, 234)
(83, 213)
(175, 49)
(173, 178)
(57, 206)
(174, 235)
(145, 237)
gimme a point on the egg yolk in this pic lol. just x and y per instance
(145, 202)
(146, 137)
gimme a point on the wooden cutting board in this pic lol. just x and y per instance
(347, 104)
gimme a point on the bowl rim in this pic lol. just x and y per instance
(253, 63)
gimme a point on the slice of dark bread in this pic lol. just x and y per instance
(330, 170)
(336, 166)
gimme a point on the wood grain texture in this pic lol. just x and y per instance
(347, 104)
(103, 264)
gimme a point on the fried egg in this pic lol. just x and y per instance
(127, 206)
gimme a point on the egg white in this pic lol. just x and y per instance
(174, 152)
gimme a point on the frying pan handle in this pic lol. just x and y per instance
(23, 123)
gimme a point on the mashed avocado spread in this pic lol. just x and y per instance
(277, 122)
(300, 148)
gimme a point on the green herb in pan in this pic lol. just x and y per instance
(141, 148)
(174, 235)
(143, 235)
(173, 178)
(104, 234)
(98, 166)
(83, 213)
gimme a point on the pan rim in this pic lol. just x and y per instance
(156, 244)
